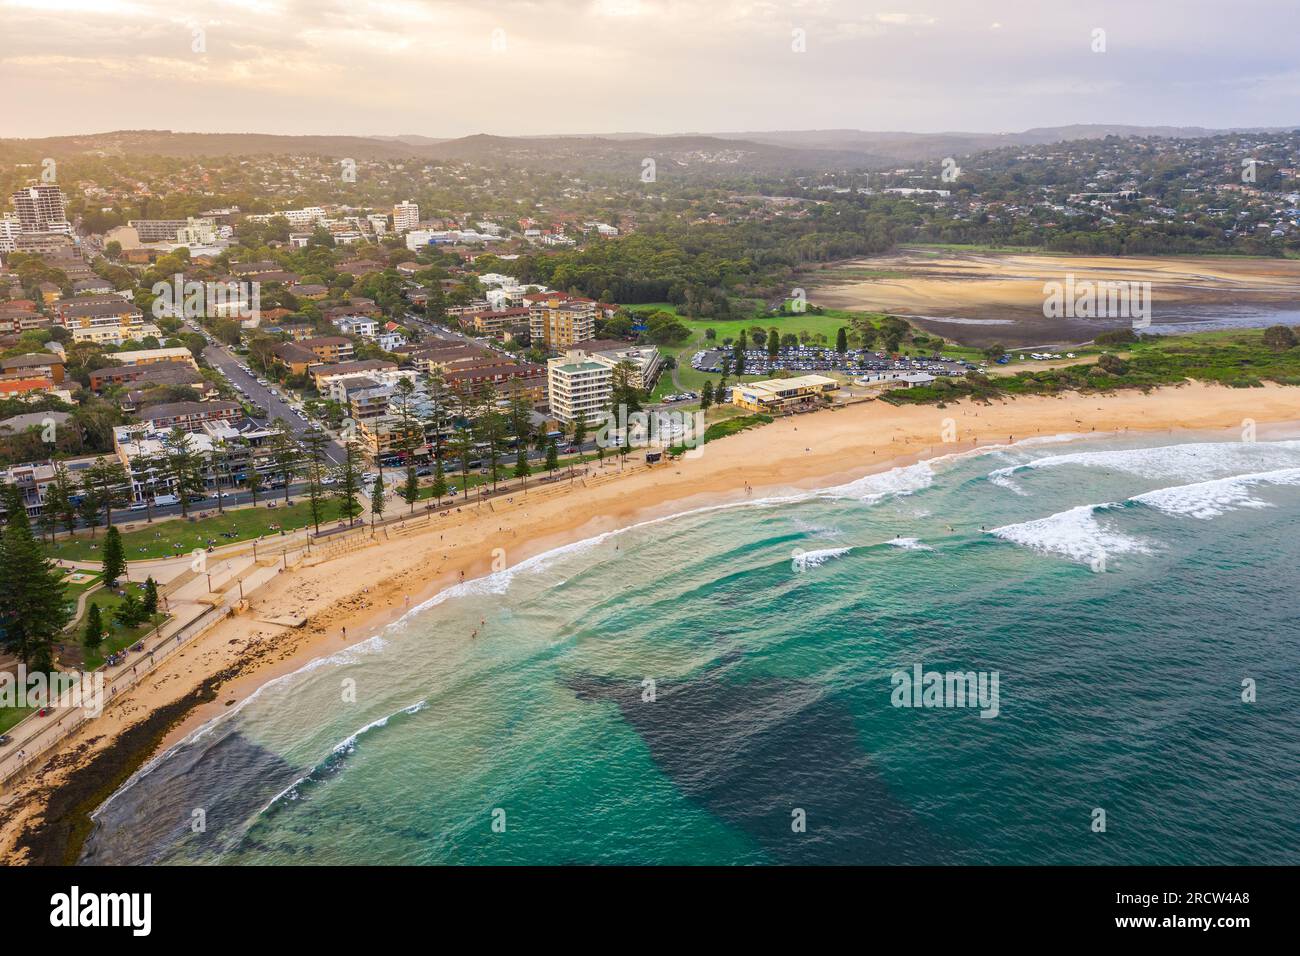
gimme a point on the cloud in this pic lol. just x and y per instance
(431, 66)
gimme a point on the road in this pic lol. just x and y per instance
(222, 359)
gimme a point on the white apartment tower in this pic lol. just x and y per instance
(41, 208)
(406, 215)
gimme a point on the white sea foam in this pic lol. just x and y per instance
(345, 746)
(815, 559)
(1002, 478)
(908, 544)
(1191, 460)
(872, 488)
(1076, 534)
(1209, 499)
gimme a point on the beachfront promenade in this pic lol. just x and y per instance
(198, 597)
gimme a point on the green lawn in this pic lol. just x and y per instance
(827, 323)
(11, 715)
(118, 637)
(179, 535)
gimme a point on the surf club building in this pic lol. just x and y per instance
(780, 395)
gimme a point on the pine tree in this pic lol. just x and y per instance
(411, 486)
(350, 482)
(88, 509)
(552, 456)
(315, 442)
(522, 468)
(33, 605)
(94, 634)
(182, 467)
(706, 394)
(151, 596)
(377, 502)
(114, 556)
(58, 498)
(286, 456)
(253, 481)
(842, 340)
(439, 488)
(108, 478)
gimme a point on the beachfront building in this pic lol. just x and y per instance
(226, 453)
(33, 478)
(782, 395)
(643, 363)
(579, 387)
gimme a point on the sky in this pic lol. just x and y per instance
(527, 67)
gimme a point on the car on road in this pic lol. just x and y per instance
(162, 501)
(138, 506)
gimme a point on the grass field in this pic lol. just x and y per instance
(827, 323)
(118, 637)
(11, 715)
(180, 536)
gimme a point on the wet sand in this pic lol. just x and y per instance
(978, 298)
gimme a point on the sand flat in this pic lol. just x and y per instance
(980, 289)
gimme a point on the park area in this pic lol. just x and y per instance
(171, 537)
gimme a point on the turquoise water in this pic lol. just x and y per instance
(1122, 589)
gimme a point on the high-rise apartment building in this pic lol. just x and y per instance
(406, 215)
(41, 208)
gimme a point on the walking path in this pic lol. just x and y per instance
(197, 598)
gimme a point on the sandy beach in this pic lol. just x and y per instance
(349, 598)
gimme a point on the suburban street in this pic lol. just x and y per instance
(222, 359)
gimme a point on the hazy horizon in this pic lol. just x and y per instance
(570, 67)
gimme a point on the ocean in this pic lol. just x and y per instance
(733, 686)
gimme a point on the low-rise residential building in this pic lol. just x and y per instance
(33, 365)
(357, 325)
(378, 369)
(295, 357)
(498, 322)
(33, 478)
(331, 349)
(129, 364)
(103, 319)
(190, 416)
